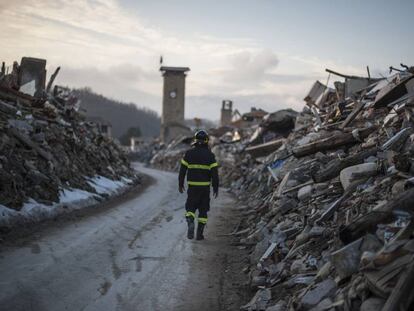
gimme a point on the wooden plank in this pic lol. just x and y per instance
(7, 108)
(265, 149)
(357, 109)
(331, 142)
(28, 142)
(298, 186)
(396, 92)
(343, 75)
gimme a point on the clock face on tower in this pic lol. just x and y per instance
(173, 94)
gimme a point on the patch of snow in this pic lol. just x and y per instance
(29, 88)
(70, 199)
(127, 180)
(73, 195)
(6, 214)
(105, 185)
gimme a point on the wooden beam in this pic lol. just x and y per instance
(357, 109)
(342, 75)
(265, 149)
(52, 79)
(28, 142)
(332, 142)
(335, 166)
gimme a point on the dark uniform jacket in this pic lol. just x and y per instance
(201, 167)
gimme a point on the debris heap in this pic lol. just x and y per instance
(329, 202)
(168, 156)
(46, 146)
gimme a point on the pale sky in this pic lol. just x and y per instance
(258, 53)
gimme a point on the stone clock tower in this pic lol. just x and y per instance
(173, 99)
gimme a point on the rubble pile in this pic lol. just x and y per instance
(144, 152)
(46, 146)
(168, 157)
(328, 202)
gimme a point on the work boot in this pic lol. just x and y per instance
(190, 230)
(200, 229)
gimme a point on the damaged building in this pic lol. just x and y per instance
(226, 115)
(173, 103)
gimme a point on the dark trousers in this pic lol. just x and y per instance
(198, 199)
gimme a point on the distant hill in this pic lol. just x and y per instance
(121, 115)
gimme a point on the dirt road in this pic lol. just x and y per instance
(133, 256)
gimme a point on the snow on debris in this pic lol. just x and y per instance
(70, 199)
(105, 185)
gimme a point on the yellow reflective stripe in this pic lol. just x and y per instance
(199, 183)
(199, 166)
(183, 162)
(202, 220)
(188, 214)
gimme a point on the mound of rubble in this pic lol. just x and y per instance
(327, 194)
(47, 149)
(328, 215)
(168, 156)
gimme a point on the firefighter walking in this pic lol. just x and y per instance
(201, 168)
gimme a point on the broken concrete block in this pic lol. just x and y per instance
(316, 231)
(287, 205)
(260, 248)
(323, 305)
(347, 259)
(324, 271)
(259, 301)
(398, 187)
(278, 237)
(321, 291)
(298, 266)
(279, 306)
(348, 175)
(372, 304)
(305, 193)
